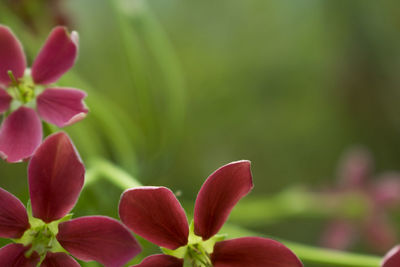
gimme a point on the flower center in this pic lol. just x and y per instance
(197, 252)
(41, 236)
(43, 240)
(24, 89)
(197, 256)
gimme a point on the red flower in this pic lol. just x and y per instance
(24, 90)
(155, 214)
(355, 175)
(56, 176)
(392, 258)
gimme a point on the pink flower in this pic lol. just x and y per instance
(392, 258)
(155, 214)
(56, 176)
(377, 197)
(24, 91)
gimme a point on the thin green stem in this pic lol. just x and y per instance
(312, 255)
(327, 257)
(101, 168)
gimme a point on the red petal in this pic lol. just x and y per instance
(253, 252)
(12, 56)
(13, 255)
(20, 135)
(218, 195)
(13, 216)
(56, 57)
(160, 260)
(56, 176)
(58, 259)
(61, 106)
(5, 100)
(392, 258)
(98, 238)
(155, 214)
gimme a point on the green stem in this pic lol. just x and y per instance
(320, 257)
(327, 257)
(299, 202)
(101, 168)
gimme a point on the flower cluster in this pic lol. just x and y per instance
(46, 233)
(355, 173)
(26, 95)
(155, 214)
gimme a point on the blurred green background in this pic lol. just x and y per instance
(178, 88)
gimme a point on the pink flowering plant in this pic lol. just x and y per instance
(28, 94)
(375, 199)
(155, 214)
(44, 233)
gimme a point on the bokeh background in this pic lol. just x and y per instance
(178, 88)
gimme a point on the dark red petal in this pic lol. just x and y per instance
(5, 100)
(218, 195)
(155, 214)
(20, 135)
(56, 176)
(160, 260)
(253, 252)
(13, 216)
(13, 255)
(98, 238)
(392, 258)
(12, 56)
(58, 259)
(61, 106)
(56, 57)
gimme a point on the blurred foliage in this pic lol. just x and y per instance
(178, 88)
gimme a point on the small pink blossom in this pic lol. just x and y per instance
(30, 93)
(56, 176)
(155, 214)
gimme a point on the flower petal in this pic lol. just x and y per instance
(253, 252)
(5, 100)
(61, 106)
(14, 255)
(218, 195)
(20, 135)
(392, 258)
(355, 167)
(98, 238)
(56, 176)
(339, 234)
(13, 217)
(12, 56)
(386, 191)
(59, 259)
(56, 57)
(379, 233)
(160, 260)
(155, 214)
